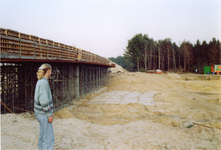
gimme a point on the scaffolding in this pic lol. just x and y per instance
(68, 82)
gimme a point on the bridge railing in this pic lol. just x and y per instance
(16, 45)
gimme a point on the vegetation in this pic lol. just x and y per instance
(190, 126)
(125, 63)
(143, 53)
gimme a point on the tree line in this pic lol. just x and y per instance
(125, 63)
(143, 53)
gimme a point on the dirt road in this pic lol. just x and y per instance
(186, 115)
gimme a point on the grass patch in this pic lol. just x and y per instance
(190, 126)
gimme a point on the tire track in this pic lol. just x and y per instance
(176, 90)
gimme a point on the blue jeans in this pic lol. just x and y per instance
(46, 136)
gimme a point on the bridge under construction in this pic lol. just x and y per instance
(75, 72)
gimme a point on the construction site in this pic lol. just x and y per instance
(99, 105)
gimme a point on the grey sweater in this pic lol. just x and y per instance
(43, 103)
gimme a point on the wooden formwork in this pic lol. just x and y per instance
(55, 51)
(79, 53)
(62, 45)
(50, 51)
(73, 55)
(84, 55)
(3, 31)
(71, 47)
(49, 42)
(10, 46)
(56, 44)
(98, 59)
(33, 47)
(12, 33)
(42, 41)
(24, 36)
(34, 38)
(66, 46)
(94, 57)
(44, 48)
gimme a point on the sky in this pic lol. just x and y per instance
(104, 27)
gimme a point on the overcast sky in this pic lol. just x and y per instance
(103, 27)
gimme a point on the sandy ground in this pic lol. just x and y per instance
(181, 101)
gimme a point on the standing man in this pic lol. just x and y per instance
(43, 107)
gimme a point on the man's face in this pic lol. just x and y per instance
(49, 72)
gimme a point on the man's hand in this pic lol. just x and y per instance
(50, 119)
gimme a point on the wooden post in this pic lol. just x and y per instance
(6, 107)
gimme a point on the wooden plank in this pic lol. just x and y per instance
(3, 31)
(66, 47)
(62, 45)
(34, 38)
(49, 42)
(56, 44)
(42, 41)
(12, 33)
(24, 36)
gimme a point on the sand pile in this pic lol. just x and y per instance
(111, 114)
(63, 114)
(117, 69)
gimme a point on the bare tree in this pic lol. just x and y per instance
(168, 47)
(159, 55)
(145, 54)
(174, 58)
(150, 54)
(160, 45)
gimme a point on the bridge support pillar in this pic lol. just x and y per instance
(76, 81)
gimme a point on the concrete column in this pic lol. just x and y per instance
(76, 81)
